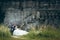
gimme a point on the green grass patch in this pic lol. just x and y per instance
(49, 33)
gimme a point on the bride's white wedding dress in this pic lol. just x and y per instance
(19, 32)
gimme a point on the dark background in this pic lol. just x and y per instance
(2, 13)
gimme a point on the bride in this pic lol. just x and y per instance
(19, 32)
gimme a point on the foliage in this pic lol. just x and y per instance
(49, 33)
(4, 31)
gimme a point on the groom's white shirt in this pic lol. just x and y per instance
(19, 32)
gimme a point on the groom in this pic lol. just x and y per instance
(12, 28)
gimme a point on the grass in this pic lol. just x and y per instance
(49, 33)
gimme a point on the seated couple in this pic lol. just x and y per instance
(16, 31)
